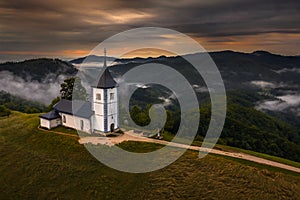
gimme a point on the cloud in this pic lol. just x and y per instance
(139, 85)
(263, 84)
(88, 64)
(199, 88)
(284, 70)
(52, 26)
(274, 105)
(31, 90)
(282, 104)
(167, 101)
(273, 85)
(292, 100)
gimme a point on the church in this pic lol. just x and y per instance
(100, 115)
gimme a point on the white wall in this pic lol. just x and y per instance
(99, 109)
(55, 122)
(75, 122)
(49, 123)
(45, 123)
(112, 109)
(98, 123)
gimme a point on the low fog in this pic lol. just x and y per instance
(290, 102)
(284, 70)
(287, 101)
(43, 92)
(263, 84)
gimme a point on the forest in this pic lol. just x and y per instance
(245, 127)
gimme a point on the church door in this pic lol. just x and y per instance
(112, 127)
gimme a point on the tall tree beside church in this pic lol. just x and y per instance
(72, 88)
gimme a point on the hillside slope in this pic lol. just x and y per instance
(40, 165)
(248, 128)
(245, 127)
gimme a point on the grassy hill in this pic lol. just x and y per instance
(36, 164)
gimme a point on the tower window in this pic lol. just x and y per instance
(98, 96)
(112, 96)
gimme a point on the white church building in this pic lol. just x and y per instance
(98, 116)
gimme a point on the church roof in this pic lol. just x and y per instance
(106, 80)
(77, 108)
(50, 115)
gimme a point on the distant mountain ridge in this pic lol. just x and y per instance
(235, 67)
(225, 60)
(42, 69)
(90, 58)
(95, 58)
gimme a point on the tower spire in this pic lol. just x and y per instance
(104, 64)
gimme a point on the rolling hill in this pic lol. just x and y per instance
(35, 164)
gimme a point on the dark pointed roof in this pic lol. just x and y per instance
(106, 80)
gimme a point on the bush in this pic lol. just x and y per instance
(4, 111)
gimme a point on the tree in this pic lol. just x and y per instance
(4, 111)
(54, 101)
(134, 113)
(19, 104)
(72, 88)
(31, 110)
(139, 116)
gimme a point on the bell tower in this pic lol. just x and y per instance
(105, 102)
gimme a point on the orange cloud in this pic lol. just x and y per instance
(70, 53)
(74, 52)
(23, 53)
(273, 42)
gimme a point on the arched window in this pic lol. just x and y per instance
(64, 119)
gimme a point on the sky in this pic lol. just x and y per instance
(72, 28)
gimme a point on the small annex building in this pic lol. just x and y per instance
(50, 120)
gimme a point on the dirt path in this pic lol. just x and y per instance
(131, 136)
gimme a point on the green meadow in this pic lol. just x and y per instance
(42, 165)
